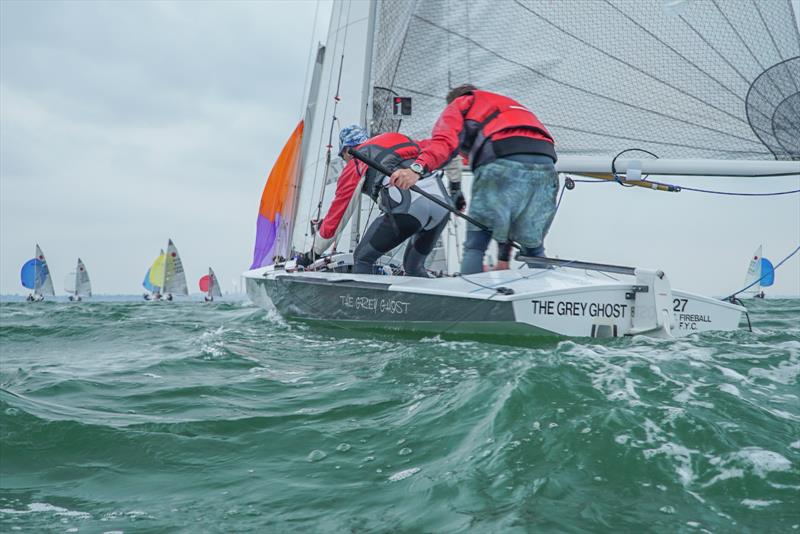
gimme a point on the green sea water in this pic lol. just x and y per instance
(184, 417)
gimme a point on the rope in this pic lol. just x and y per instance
(735, 300)
(733, 295)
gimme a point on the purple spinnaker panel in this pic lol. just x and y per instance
(266, 233)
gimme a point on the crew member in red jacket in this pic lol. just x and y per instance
(513, 160)
(406, 214)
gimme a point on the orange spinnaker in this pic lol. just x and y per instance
(276, 206)
(282, 175)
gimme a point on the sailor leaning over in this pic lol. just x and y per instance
(405, 214)
(513, 160)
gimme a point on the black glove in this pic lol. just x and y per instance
(503, 251)
(457, 196)
(306, 259)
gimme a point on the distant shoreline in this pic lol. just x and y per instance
(194, 297)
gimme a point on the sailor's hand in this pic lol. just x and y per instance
(404, 178)
(315, 223)
(459, 201)
(306, 259)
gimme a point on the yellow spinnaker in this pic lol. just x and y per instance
(157, 271)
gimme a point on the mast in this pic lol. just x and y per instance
(163, 276)
(308, 119)
(77, 276)
(36, 271)
(366, 111)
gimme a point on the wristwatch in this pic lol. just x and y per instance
(417, 168)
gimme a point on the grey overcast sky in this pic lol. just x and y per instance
(125, 123)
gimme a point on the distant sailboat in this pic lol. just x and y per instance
(174, 277)
(35, 275)
(154, 278)
(210, 286)
(760, 274)
(77, 283)
(166, 278)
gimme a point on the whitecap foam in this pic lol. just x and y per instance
(763, 461)
(730, 373)
(404, 474)
(682, 456)
(755, 504)
(730, 389)
(46, 508)
(785, 373)
(759, 462)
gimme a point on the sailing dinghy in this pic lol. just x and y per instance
(760, 274)
(77, 283)
(35, 275)
(694, 89)
(166, 278)
(210, 286)
(154, 278)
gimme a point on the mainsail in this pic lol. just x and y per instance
(83, 284)
(77, 282)
(753, 274)
(684, 79)
(174, 277)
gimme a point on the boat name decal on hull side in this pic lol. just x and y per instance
(579, 309)
(688, 321)
(375, 305)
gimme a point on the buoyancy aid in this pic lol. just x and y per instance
(393, 151)
(488, 123)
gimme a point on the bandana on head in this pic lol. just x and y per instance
(352, 135)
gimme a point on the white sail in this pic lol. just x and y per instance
(753, 274)
(345, 52)
(699, 79)
(44, 282)
(77, 282)
(83, 286)
(213, 284)
(174, 277)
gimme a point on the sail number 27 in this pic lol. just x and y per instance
(679, 305)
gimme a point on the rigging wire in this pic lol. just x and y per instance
(309, 60)
(738, 194)
(334, 120)
(324, 113)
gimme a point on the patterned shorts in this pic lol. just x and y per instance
(516, 200)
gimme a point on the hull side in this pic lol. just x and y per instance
(383, 303)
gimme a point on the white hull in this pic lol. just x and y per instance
(532, 302)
